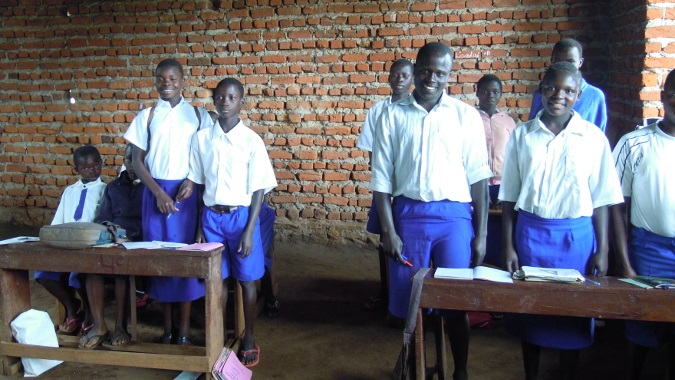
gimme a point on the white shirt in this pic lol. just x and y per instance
(559, 177)
(171, 131)
(644, 161)
(232, 165)
(365, 141)
(429, 156)
(70, 198)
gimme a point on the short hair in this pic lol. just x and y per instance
(84, 151)
(433, 49)
(670, 78)
(170, 62)
(562, 67)
(231, 82)
(401, 63)
(568, 43)
(487, 78)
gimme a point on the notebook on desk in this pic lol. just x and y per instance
(477, 273)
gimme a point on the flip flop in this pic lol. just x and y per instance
(86, 341)
(118, 340)
(71, 324)
(84, 329)
(244, 354)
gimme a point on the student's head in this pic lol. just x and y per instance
(432, 71)
(568, 50)
(228, 97)
(128, 160)
(169, 80)
(88, 163)
(488, 92)
(668, 98)
(560, 88)
(401, 77)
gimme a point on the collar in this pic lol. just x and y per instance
(573, 126)
(82, 185)
(161, 103)
(217, 132)
(497, 112)
(444, 101)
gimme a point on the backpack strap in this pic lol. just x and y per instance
(152, 113)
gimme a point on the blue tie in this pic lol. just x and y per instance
(80, 206)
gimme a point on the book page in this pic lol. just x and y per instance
(200, 247)
(492, 274)
(454, 273)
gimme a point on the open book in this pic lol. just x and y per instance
(649, 282)
(477, 273)
(548, 274)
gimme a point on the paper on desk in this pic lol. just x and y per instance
(19, 239)
(200, 247)
(155, 244)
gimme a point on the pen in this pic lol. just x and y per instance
(171, 213)
(406, 262)
(593, 282)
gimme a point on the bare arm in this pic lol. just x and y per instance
(620, 229)
(598, 263)
(480, 202)
(246, 242)
(391, 242)
(510, 256)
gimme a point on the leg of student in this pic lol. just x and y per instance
(121, 337)
(82, 293)
(168, 322)
(184, 327)
(95, 290)
(530, 360)
(65, 294)
(225, 295)
(568, 363)
(249, 298)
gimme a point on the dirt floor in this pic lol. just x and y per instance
(324, 332)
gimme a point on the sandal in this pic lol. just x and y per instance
(166, 338)
(84, 329)
(272, 309)
(244, 353)
(70, 325)
(118, 340)
(90, 342)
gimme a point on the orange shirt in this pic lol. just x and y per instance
(498, 128)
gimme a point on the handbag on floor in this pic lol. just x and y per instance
(405, 364)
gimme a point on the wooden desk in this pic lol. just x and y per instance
(17, 259)
(614, 299)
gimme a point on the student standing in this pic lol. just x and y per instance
(591, 106)
(79, 203)
(161, 137)
(644, 160)
(429, 155)
(558, 180)
(231, 161)
(400, 81)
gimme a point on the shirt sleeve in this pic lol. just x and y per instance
(537, 105)
(475, 154)
(624, 168)
(365, 141)
(59, 217)
(137, 133)
(383, 155)
(196, 173)
(604, 183)
(601, 120)
(260, 171)
(509, 190)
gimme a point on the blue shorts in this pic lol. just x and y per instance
(73, 278)
(267, 218)
(553, 243)
(227, 229)
(651, 255)
(432, 232)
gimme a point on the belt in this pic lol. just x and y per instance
(222, 209)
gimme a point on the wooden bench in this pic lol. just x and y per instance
(17, 259)
(613, 299)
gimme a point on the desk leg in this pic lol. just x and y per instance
(214, 326)
(132, 308)
(14, 300)
(420, 360)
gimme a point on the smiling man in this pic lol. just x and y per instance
(429, 155)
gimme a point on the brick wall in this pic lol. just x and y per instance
(311, 69)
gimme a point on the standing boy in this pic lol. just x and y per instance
(591, 106)
(231, 162)
(644, 161)
(400, 81)
(122, 204)
(429, 155)
(79, 203)
(161, 137)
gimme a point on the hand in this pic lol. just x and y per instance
(185, 190)
(478, 246)
(165, 203)
(511, 259)
(628, 271)
(200, 236)
(245, 244)
(598, 264)
(392, 246)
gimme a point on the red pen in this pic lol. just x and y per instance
(406, 262)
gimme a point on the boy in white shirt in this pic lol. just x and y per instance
(231, 161)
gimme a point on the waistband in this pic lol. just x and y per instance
(222, 209)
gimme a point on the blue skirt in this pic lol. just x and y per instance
(179, 228)
(553, 243)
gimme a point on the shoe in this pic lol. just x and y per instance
(90, 342)
(243, 354)
(70, 325)
(166, 338)
(183, 341)
(142, 300)
(272, 309)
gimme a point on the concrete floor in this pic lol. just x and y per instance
(323, 331)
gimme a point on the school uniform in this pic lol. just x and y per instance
(167, 159)
(591, 106)
(498, 128)
(643, 161)
(556, 182)
(428, 161)
(122, 202)
(266, 219)
(79, 203)
(232, 166)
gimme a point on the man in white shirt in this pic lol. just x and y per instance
(429, 154)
